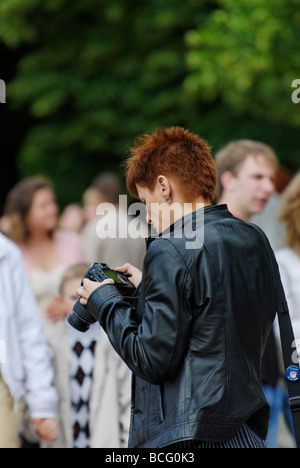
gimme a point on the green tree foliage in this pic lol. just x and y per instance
(246, 56)
(96, 73)
(94, 76)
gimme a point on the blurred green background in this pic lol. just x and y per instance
(88, 76)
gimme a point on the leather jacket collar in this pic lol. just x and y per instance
(192, 221)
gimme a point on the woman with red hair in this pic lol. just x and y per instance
(207, 301)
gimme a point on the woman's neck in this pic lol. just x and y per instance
(39, 238)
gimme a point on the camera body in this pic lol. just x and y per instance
(81, 319)
(101, 271)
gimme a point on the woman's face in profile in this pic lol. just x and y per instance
(158, 209)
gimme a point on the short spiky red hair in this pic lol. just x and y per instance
(173, 152)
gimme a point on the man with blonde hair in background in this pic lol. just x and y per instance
(246, 177)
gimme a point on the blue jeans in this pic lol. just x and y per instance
(279, 403)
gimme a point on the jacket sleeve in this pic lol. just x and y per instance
(153, 348)
(40, 393)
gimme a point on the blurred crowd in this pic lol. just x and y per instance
(89, 388)
(66, 389)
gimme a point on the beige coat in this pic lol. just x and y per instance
(110, 395)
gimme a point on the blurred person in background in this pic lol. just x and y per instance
(72, 218)
(90, 200)
(289, 256)
(93, 383)
(111, 249)
(246, 177)
(246, 181)
(288, 259)
(47, 251)
(25, 369)
(268, 219)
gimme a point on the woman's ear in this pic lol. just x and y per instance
(164, 187)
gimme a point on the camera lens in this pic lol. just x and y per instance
(81, 320)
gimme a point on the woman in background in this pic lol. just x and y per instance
(47, 251)
(289, 257)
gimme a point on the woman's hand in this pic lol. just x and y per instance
(135, 273)
(88, 287)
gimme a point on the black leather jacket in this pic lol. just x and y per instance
(195, 341)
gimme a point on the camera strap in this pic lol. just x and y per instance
(292, 370)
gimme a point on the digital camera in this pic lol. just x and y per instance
(81, 319)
